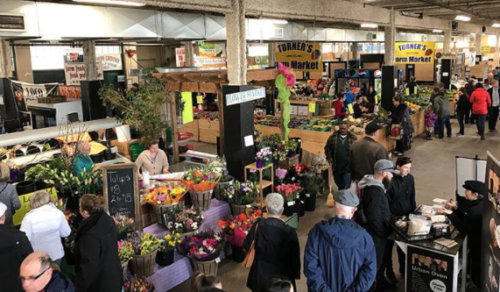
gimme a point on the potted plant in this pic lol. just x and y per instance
(163, 197)
(235, 230)
(123, 223)
(241, 195)
(290, 193)
(145, 248)
(225, 181)
(137, 285)
(203, 249)
(200, 183)
(165, 256)
(185, 221)
(125, 253)
(313, 185)
(263, 157)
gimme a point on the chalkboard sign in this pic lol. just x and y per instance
(121, 190)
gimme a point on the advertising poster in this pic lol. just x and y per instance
(414, 52)
(490, 262)
(27, 93)
(300, 56)
(75, 72)
(180, 57)
(207, 49)
(70, 91)
(109, 61)
(428, 271)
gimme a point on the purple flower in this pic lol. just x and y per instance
(281, 173)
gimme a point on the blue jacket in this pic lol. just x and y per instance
(339, 257)
(59, 283)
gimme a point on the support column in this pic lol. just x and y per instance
(89, 59)
(379, 47)
(130, 63)
(478, 43)
(389, 39)
(5, 60)
(354, 50)
(271, 54)
(496, 58)
(24, 71)
(447, 42)
(188, 46)
(236, 43)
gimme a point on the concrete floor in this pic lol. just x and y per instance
(434, 171)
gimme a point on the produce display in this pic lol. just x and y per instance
(165, 194)
(301, 124)
(199, 114)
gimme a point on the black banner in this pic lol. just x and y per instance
(490, 261)
(428, 271)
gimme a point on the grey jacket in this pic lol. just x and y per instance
(442, 106)
(8, 196)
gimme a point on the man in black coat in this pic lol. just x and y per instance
(14, 247)
(37, 274)
(494, 108)
(470, 222)
(375, 208)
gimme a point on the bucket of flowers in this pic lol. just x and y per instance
(290, 193)
(313, 185)
(225, 181)
(137, 285)
(125, 253)
(200, 183)
(165, 256)
(185, 221)
(163, 197)
(235, 230)
(241, 196)
(263, 157)
(123, 224)
(145, 248)
(69, 242)
(203, 249)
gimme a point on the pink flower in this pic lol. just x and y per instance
(284, 69)
(290, 80)
(281, 173)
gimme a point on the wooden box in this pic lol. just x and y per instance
(209, 136)
(205, 124)
(124, 147)
(193, 128)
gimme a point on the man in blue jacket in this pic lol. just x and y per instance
(340, 255)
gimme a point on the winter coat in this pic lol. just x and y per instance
(339, 256)
(340, 110)
(364, 153)
(59, 283)
(98, 267)
(376, 207)
(401, 195)
(442, 106)
(469, 88)
(480, 100)
(463, 105)
(8, 196)
(490, 92)
(277, 252)
(14, 247)
(401, 115)
(44, 227)
(82, 162)
(331, 147)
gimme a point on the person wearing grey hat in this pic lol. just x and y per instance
(330, 242)
(14, 247)
(469, 221)
(374, 213)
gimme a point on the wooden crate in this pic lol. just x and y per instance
(313, 147)
(267, 130)
(205, 124)
(209, 136)
(192, 128)
(124, 147)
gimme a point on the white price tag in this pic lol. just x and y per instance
(308, 195)
(217, 260)
(302, 202)
(291, 203)
(249, 206)
(231, 183)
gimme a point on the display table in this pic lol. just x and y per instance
(429, 264)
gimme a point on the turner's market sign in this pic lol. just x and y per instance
(300, 56)
(414, 52)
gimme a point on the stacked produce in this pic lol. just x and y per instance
(199, 114)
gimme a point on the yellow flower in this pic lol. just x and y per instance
(172, 243)
(167, 237)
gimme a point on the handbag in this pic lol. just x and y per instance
(249, 258)
(396, 132)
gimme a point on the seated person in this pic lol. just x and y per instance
(153, 159)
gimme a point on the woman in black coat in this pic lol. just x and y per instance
(97, 266)
(277, 251)
(401, 115)
(463, 107)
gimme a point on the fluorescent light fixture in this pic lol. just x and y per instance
(273, 21)
(462, 18)
(497, 25)
(437, 31)
(369, 25)
(111, 2)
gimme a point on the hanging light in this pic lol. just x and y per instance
(369, 25)
(462, 18)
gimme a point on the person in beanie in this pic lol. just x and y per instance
(374, 208)
(470, 222)
(443, 111)
(332, 241)
(337, 152)
(14, 248)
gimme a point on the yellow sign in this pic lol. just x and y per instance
(376, 99)
(351, 110)
(300, 56)
(199, 99)
(312, 107)
(25, 205)
(414, 53)
(187, 113)
(207, 49)
(407, 91)
(485, 49)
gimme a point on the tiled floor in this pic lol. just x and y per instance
(434, 172)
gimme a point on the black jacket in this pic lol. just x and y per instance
(277, 252)
(97, 266)
(364, 153)
(14, 247)
(59, 283)
(490, 92)
(401, 195)
(375, 207)
(463, 105)
(401, 115)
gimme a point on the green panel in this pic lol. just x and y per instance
(111, 77)
(48, 76)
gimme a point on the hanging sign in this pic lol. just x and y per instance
(245, 96)
(300, 56)
(428, 271)
(110, 61)
(180, 57)
(187, 112)
(207, 49)
(27, 93)
(414, 52)
(312, 107)
(75, 72)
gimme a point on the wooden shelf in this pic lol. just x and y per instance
(265, 183)
(253, 166)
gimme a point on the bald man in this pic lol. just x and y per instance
(37, 275)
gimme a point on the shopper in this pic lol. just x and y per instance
(82, 159)
(413, 86)
(153, 159)
(8, 194)
(337, 152)
(278, 284)
(365, 152)
(481, 101)
(340, 110)
(469, 222)
(430, 120)
(469, 88)
(331, 242)
(443, 111)
(463, 107)
(14, 247)
(37, 274)
(401, 116)
(494, 93)
(352, 84)
(277, 250)
(97, 265)
(374, 213)
(201, 283)
(371, 95)
(401, 197)
(44, 226)
(359, 107)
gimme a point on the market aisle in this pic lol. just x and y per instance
(434, 171)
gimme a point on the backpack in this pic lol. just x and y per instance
(360, 215)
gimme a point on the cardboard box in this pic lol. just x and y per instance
(124, 147)
(209, 136)
(295, 110)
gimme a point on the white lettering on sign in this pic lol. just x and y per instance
(245, 96)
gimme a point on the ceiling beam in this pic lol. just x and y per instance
(459, 9)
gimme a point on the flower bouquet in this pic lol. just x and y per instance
(203, 250)
(123, 223)
(145, 248)
(236, 230)
(225, 181)
(290, 193)
(163, 198)
(241, 195)
(125, 253)
(200, 183)
(184, 220)
(137, 285)
(263, 157)
(165, 256)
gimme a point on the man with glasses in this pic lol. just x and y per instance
(14, 247)
(37, 275)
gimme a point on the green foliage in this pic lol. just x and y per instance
(141, 108)
(242, 193)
